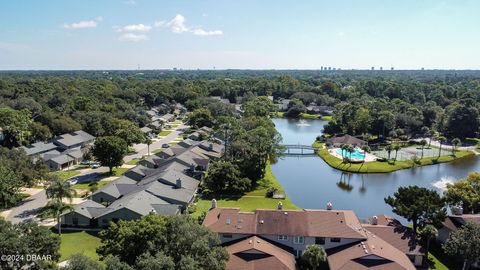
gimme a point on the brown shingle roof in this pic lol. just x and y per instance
(314, 223)
(374, 253)
(256, 253)
(347, 139)
(400, 237)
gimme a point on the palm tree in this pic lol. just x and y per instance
(456, 142)
(427, 234)
(389, 149)
(57, 207)
(423, 142)
(440, 139)
(148, 141)
(313, 257)
(431, 133)
(57, 191)
(366, 149)
(396, 147)
(350, 150)
(344, 147)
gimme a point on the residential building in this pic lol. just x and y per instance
(346, 139)
(454, 222)
(348, 243)
(62, 151)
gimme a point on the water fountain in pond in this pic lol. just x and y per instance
(303, 123)
(442, 183)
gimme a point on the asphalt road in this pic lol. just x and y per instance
(29, 208)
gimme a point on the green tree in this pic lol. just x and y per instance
(39, 132)
(114, 263)
(396, 147)
(148, 141)
(366, 149)
(456, 142)
(465, 193)
(389, 149)
(57, 191)
(259, 106)
(159, 261)
(423, 142)
(28, 238)
(313, 257)
(419, 205)
(440, 139)
(110, 151)
(428, 233)
(224, 177)
(350, 150)
(10, 185)
(126, 130)
(82, 262)
(16, 126)
(179, 238)
(200, 117)
(464, 243)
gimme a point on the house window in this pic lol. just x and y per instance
(283, 237)
(298, 240)
(227, 236)
(335, 240)
(298, 253)
(75, 221)
(320, 240)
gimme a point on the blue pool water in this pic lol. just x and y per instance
(356, 154)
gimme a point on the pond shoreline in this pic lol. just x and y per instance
(387, 166)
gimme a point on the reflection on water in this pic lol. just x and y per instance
(311, 183)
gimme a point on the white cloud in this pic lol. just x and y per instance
(201, 32)
(81, 25)
(178, 25)
(84, 24)
(130, 2)
(142, 28)
(133, 37)
(341, 34)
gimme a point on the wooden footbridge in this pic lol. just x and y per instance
(299, 149)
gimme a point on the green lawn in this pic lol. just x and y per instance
(133, 162)
(252, 200)
(64, 175)
(383, 167)
(165, 132)
(158, 150)
(87, 185)
(79, 242)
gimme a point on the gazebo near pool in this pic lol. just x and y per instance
(346, 139)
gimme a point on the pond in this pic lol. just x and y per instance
(311, 183)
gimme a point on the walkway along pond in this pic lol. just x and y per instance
(311, 183)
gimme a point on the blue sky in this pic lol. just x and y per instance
(255, 34)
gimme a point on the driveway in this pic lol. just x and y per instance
(142, 149)
(28, 209)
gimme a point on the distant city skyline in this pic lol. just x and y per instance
(247, 34)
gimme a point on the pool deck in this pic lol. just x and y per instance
(368, 157)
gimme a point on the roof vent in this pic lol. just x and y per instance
(228, 221)
(458, 210)
(250, 241)
(329, 206)
(179, 183)
(261, 221)
(285, 213)
(280, 205)
(374, 220)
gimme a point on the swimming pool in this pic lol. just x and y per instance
(355, 154)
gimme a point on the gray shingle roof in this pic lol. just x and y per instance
(38, 148)
(117, 187)
(62, 159)
(74, 138)
(89, 209)
(139, 202)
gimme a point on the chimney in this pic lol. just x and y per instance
(214, 204)
(210, 146)
(374, 220)
(179, 183)
(458, 210)
(329, 206)
(280, 206)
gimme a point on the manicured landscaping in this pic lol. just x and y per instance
(252, 200)
(64, 175)
(79, 242)
(87, 185)
(164, 132)
(383, 167)
(133, 162)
